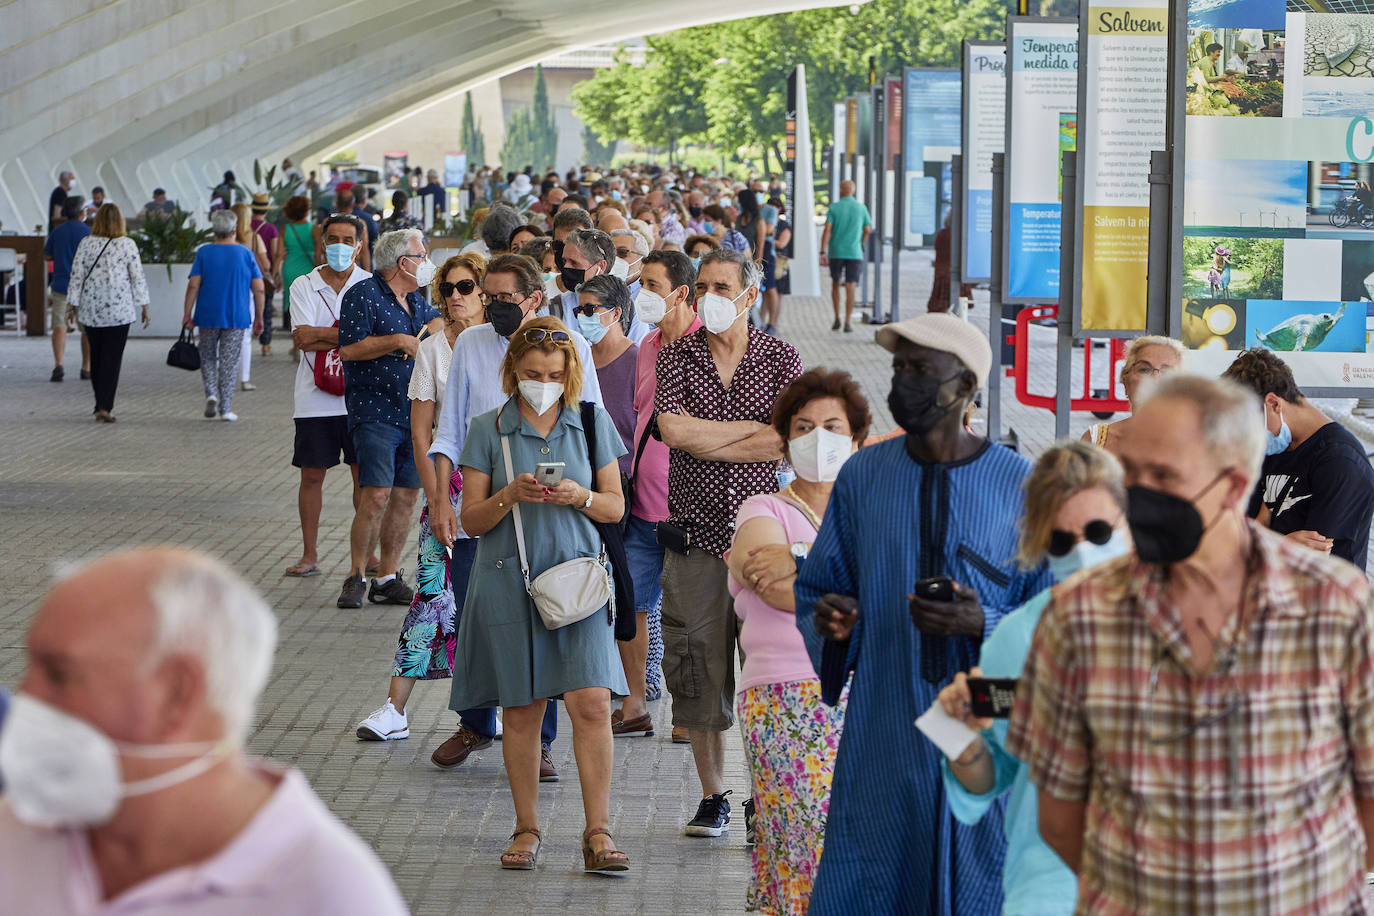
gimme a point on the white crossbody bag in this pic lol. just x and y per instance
(572, 590)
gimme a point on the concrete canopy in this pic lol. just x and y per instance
(135, 94)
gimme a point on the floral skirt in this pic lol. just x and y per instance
(428, 637)
(790, 739)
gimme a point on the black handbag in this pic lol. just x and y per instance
(612, 536)
(184, 353)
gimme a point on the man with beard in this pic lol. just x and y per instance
(938, 501)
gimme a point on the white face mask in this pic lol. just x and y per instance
(817, 456)
(650, 307)
(61, 771)
(620, 269)
(424, 272)
(718, 313)
(541, 395)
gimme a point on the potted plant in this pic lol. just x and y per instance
(167, 245)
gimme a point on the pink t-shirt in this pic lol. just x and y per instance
(773, 649)
(651, 484)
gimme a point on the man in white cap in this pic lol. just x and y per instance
(937, 502)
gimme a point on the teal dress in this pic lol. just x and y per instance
(505, 655)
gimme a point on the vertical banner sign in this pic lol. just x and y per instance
(837, 150)
(1275, 105)
(892, 118)
(1122, 93)
(984, 131)
(931, 122)
(455, 169)
(396, 169)
(851, 136)
(1042, 122)
(789, 154)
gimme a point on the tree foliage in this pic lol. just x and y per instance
(532, 133)
(594, 150)
(726, 83)
(470, 136)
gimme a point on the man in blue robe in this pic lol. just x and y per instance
(939, 501)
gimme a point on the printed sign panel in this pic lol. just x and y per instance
(984, 131)
(932, 122)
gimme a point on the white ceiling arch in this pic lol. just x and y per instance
(136, 93)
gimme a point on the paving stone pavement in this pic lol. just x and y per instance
(70, 488)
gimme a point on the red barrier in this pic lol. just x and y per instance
(1020, 368)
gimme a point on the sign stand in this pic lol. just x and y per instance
(1161, 226)
(878, 160)
(1063, 372)
(996, 323)
(956, 236)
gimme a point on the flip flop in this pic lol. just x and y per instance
(302, 571)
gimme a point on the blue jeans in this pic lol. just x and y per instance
(482, 721)
(386, 457)
(645, 555)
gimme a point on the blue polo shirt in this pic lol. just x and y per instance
(61, 247)
(375, 390)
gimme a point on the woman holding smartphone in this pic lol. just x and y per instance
(508, 656)
(1076, 517)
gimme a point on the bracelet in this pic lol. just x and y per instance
(982, 752)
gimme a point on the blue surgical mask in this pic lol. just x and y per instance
(339, 256)
(696, 263)
(616, 195)
(1279, 442)
(591, 327)
(708, 227)
(1086, 554)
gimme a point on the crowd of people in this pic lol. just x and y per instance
(631, 483)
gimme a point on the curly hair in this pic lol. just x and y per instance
(472, 262)
(1263, 372)
(822, 383)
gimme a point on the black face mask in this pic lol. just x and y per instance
(1165, 528)
(915, 401)
(572, 277)
(695, 212)
(558, 254)
(505, 317)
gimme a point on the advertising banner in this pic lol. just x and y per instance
(984, 131)
(1278, 215)
(396, 169)
(1122, 94)
(837, 150)
(455, 169)
(1042, 122)
(931, 121)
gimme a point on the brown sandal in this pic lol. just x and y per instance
(519, 860)
(607, 859)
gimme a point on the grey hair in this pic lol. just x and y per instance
(1230, 415)
(224, 223)
(614, 294)
(394, 245)
(594, 244)
(750, 274)
(636, 240)
(501, 220)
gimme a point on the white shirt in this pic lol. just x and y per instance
(106, 290)
(314, 304)
(429, 378)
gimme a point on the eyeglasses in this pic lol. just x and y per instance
(1145, 369)
(538, 335)
(590, 310)
(488, 299)
(462, 288)
(1096, 532)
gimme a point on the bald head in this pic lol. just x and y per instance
(846, 188)
(609, 220)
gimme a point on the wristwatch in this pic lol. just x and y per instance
(799, 549)
(588, 503)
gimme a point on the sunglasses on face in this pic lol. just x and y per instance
(1096, 532)
(589, 310)
(537, 335)
(462, 288)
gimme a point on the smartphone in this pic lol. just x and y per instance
(993, 697)
(936, 588)
(548, 473)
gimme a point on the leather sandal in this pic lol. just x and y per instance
(519, 860)
(605, 860)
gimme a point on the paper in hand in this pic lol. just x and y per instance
(950, 735)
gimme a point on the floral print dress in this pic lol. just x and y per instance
(428, 639)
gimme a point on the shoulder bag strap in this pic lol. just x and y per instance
(789, 501)
(643, 441)
(95, 262)
(515, 510)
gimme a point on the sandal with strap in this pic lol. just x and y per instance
(605, 860)
(519, 860)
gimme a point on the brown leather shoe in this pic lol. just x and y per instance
(638, 726)
(546, 771)
(680, 735)
(456, 749)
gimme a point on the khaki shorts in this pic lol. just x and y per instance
(699, 640)
(57, 310)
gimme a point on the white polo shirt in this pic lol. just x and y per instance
(315, 304)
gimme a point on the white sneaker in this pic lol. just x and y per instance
(499, 729)
(211, 407)
(229, 415)
(386, 724)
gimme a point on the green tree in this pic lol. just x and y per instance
(595, 152)
(544, 154)
(519, 148)
(470, 135)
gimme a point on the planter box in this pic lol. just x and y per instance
(166, 300)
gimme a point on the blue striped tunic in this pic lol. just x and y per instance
(891, 844)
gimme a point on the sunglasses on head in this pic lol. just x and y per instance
(462, 287)
(1096, 532)
(537, 335)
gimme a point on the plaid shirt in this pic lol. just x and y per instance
(1251, 811)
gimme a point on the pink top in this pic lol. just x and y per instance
(651, 486)
(772, 645)
(294, 857)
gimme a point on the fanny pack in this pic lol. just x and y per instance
(571, 591)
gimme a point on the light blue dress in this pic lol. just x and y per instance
(1036, 881)
(507, 656)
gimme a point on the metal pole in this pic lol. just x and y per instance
(1063, 375)
(996, 331)
(1161, 226)
(956, 233)
(879, 193)
(898, 214)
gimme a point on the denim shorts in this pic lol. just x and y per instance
(645, 556)
(385, 456)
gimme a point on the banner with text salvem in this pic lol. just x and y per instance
(984, 131)
(1278, 212)
(1042, 123)
(1122, 92)
(931, 123)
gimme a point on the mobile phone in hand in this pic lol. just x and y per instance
(993, 697)
(936, 588)
(548, 473)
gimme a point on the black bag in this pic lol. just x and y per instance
(184, 353)
(627, 482)
(613, 537)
